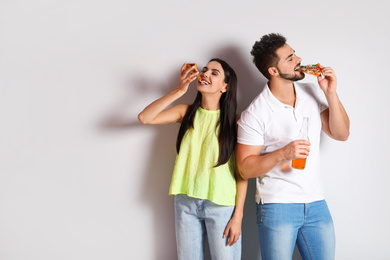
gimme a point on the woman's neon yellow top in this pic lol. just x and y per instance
(194, 173)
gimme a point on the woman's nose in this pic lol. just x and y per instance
(205, 74)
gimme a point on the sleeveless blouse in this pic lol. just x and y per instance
(194, 173)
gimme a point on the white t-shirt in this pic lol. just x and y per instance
(272, 124)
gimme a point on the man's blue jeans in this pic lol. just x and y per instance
(194, 220)
(309, 225)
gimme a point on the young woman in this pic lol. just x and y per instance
(209, 194)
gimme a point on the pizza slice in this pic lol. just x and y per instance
(194, 70)
(312, 69)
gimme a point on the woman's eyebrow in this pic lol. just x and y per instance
(205, 68)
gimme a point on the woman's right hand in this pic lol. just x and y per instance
(157, 112)
(186, 78)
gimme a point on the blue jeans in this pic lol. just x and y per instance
(309, 225)
(194, 220)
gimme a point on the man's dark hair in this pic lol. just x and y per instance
(264, 52)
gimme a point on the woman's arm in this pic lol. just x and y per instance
(233, 229)
(157, 114)
(235, 224)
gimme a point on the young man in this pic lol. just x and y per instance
(290, 203)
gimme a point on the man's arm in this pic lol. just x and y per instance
(251, 164)
(335, 121)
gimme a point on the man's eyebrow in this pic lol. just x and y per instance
(290, 55)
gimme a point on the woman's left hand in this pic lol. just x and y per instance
(233, 231)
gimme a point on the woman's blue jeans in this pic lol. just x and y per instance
(309, 225)
(196, 219)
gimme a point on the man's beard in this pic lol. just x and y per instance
(292, 77)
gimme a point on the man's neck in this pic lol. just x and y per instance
(283, 90)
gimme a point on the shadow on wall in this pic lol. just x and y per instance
(159, 164)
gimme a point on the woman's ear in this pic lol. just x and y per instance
(225, 88)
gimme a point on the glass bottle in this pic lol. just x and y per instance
(299, 163)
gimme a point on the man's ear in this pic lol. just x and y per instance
(273, 71)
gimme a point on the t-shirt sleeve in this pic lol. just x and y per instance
(250, 130)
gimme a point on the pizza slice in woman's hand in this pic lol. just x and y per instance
(194, 70)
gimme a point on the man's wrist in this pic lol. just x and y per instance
(281, 155)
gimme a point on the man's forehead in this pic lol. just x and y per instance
(285, 51)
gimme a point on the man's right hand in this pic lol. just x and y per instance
(296, 149)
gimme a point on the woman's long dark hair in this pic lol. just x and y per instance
(227, 136)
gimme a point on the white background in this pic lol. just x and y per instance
(81, 178)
